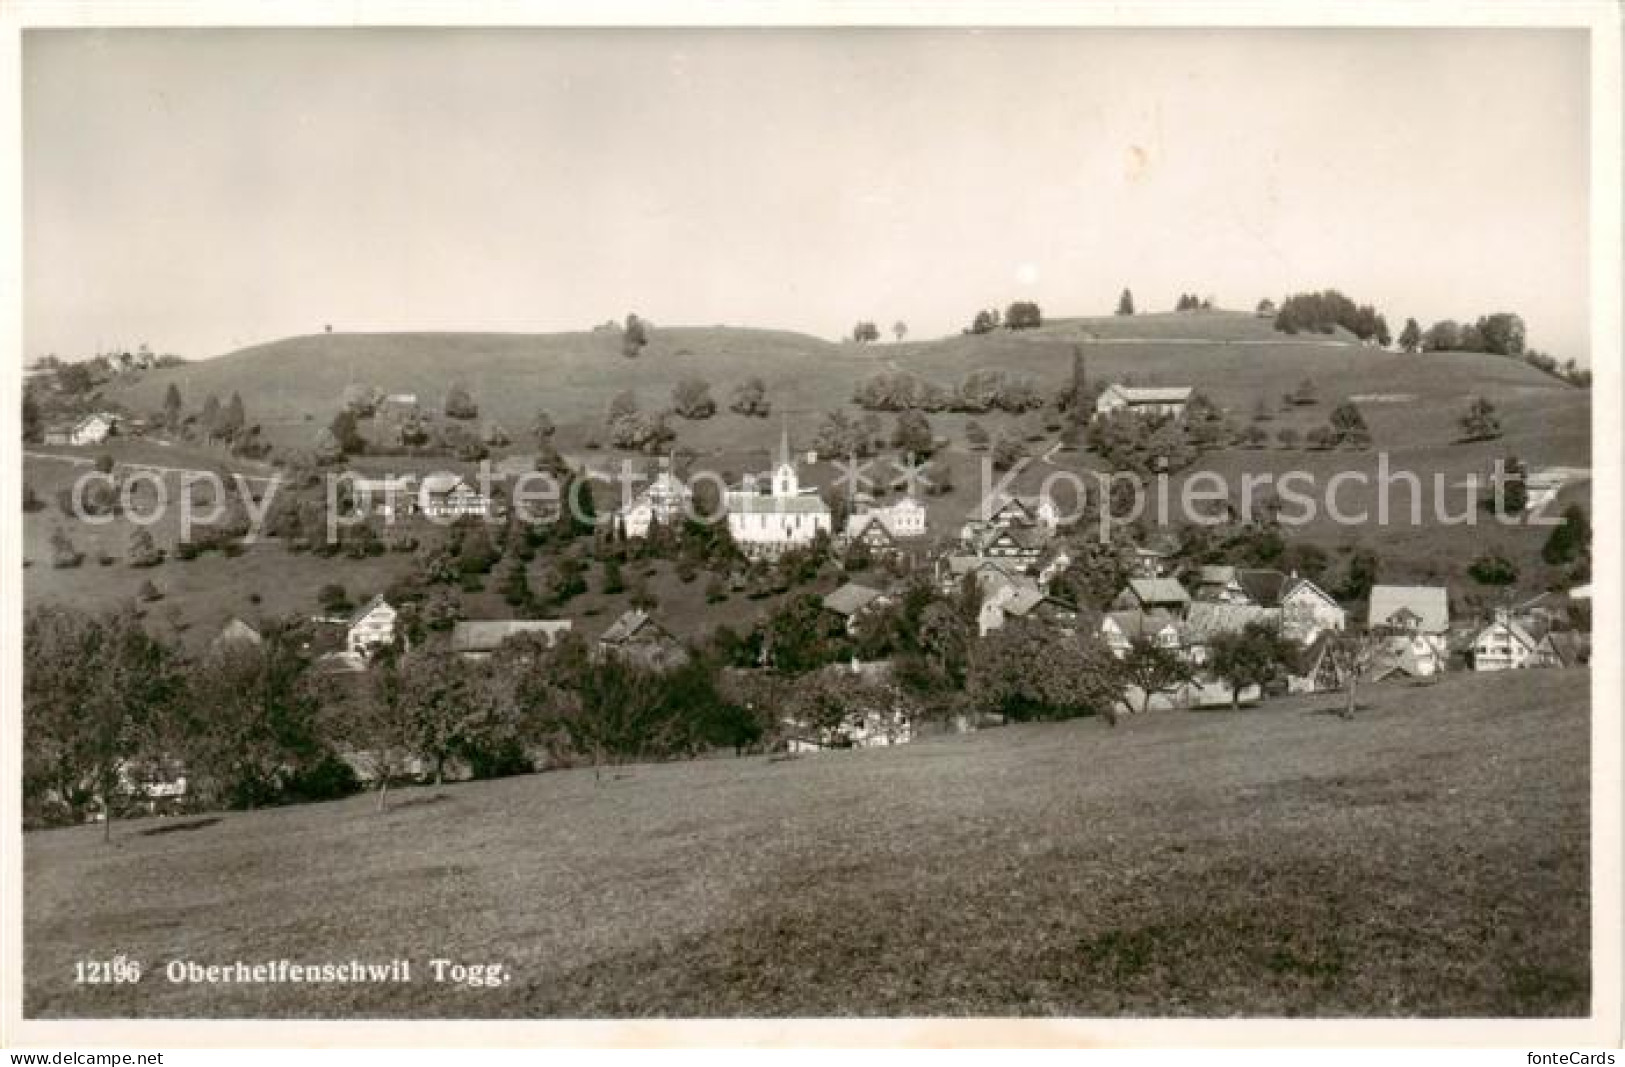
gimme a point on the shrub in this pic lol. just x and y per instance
(1493, 568)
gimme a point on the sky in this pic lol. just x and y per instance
(203, 190)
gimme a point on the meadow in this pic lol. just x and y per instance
(1428, 858)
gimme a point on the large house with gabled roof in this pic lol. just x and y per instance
(768, 516)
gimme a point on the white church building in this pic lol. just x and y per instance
(769, 515)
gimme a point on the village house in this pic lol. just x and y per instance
(390, 496)
(1120, 628)
(92, 429)
(869, 533)
(901, 520)
(1153, 594)
(236, 630)
(1218, 585)
(851, 601)
(371, 628)
(1307, 611)
(477, 639)
(770, 516)
(1154, 559)
(1416, 622)
(1169, 402)
(639, 639)
(1206, 621)
(1504, 645)
(450, 496)
(667, 501)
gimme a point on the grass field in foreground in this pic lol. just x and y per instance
(1428, 858)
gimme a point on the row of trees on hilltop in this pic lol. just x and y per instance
(1324, 311)
(1020, 315)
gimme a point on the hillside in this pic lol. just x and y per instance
(292, 386)
(1428, 858)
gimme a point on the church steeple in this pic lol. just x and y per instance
(785, 481)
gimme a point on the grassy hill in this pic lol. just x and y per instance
(1428, 858)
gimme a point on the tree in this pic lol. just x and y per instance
(172, 407)
(1443, 336)
(333, 599)
(347, 434)
(33, 422)
(250, 720)
(1287, 437)
(912, 434)
(233, 420)
(1493, 568)
(899, 330)
(1265, 308)
(459, 404)
(103, 463)
(1007, 452)
(1354, 657)
(1125, 303)
(1255, 655)
(976, 435)
(1410, 338)
(634, 337)
(1514, 484)
(749, 398)
(209, 418)
(95, 690)
(63, 552)
(143, 553)
(691, 398)
(1026, 670)
(1502, 334)
(1360, 574)
(1570, 539)
(986, 321)
(1480, 422)
(431, 706)
(1306, 395)
(801, 636)
(542, 428)
(1023, 315)
(641, 432)
(1153, 668)
(361, 400)
(864, 332)
(1349, 425)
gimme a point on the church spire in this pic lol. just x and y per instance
(784, 440)
(785, 482)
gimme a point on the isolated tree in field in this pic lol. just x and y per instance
(899, 330)
(63, 552)
(103, 463)
(1023, 315)
(1570, 539)
(1512, 485)
(233, 419)
(459, 403)
(1287, 437)
(691, 399)
(749, 398)
(976, 435)
(1443, 336)
(172, 407)
(1153, 668)
(621, 405)
(1007, 452)
(1125, 303)
(912, 434)
(1256, 655)
(95, 690)
(1480, 422)
(1359, 574)
(1354, 657)
(542, 428)
(1307, 393)
(209, 418)
(634, 337)
(1266, 307)
(143, 553)
(1381, 332)
(1493, 568)
(1349, 425)
(1410, 338)
(1502, 334)
(864, 332)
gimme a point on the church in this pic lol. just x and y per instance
(767, 516)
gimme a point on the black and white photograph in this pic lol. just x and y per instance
(825, 520)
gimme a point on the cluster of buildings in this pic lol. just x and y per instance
(91, 429)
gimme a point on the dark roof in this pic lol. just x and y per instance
(1264, 587)
(851, 598)
(634, 624)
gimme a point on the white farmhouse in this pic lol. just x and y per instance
(766, 519)
(91, 430)
(1503, 645)
(371, 628)
(1143, 400)
(903, 519)
(449, 496)
(666, 501)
